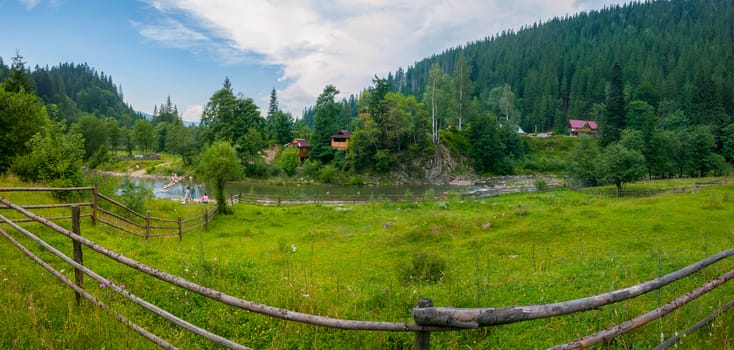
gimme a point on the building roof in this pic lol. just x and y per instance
(342, 134)
(300, 143)
(580, 124)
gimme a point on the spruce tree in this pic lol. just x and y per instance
(614, 120)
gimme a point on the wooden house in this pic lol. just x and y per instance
(578, 127)
(302, 146)
(340, 140)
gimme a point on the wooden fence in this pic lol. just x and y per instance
(426, 318)
(106, 210)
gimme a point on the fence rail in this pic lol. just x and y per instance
(426, 318)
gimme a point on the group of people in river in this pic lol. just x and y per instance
(189, 193)
(190, 196)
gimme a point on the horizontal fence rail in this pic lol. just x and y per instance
(426, 318)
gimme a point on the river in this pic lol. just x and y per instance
(297, 191)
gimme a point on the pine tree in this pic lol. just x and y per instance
(614, 120)
(18, 80)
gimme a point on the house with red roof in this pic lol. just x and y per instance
(578, 127)
(302, 146)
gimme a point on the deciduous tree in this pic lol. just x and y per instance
(219, 163)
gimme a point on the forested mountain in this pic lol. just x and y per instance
(675, 54)
(77, 89)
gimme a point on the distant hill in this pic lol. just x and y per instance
(675, 54)
(76, 89)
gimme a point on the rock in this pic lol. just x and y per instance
(486, 225)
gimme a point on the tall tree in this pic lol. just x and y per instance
(327, 110)
(463, 87)
(614, 121)
(219, 163)
(143, 135)
(18, 80)
(227, 117)
(114, 133)
(93, 132)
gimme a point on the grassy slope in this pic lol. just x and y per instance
(342, 262)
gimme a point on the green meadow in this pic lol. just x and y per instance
(374, 261)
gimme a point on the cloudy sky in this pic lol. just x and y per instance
(185, 48)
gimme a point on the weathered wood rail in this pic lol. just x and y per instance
(106, 210)
(426, 318)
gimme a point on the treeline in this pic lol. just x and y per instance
(75, 90)
(657, 76)
(671, 53)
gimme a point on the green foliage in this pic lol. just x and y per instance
(143, 135)
(424, 268)
(287, 159)
(619, 165)
(540, 184)
(584, 162)
(22, 115)
(219, 163)
(325, 124)
(233, 119)
(134, 196)
(311, 168)
(18, 80)
(384, 161)
(93, 131)
(53, 155)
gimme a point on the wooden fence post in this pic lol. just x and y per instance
(95, 191)
(206, 219)
(76, 229)
(147, 224)
(239, 198)
(423, 338)
(180, 229)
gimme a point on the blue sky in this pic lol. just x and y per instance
(185, 48)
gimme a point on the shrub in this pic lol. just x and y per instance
(328, 174)
(134, 196)
(541, 184)
(424, 267)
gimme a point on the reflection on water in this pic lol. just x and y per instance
(158, 186)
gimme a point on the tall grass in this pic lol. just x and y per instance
(346, 262)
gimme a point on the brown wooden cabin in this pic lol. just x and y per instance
(302, 146)
(340, 140)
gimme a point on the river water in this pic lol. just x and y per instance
(297, 191)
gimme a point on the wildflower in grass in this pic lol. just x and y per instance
(102, 285)
(293, 247)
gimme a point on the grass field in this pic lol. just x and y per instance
(374, 261)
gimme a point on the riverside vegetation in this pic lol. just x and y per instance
(344, 261)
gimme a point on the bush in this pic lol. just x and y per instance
(541, 184)
(134, 196)
(424, 267)
(311, 168)
(328, 175)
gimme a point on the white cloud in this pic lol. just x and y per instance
(341, 42)
(29, 4)
(192, 113)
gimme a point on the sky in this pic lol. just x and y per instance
(185, 49)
